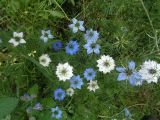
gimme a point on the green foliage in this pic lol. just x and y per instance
(7, 105)
(126, 34)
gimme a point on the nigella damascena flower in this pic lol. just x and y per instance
(76, 82)
(44, 60)
(70, 91)
(57, 45)
(150, 71)
(93, 86)
(59, 94)
(105, 64)
(72, 47)
(91, 35)
(38, 107)
(129, 73)
(56, 113)
(76, 25)
(64, 71)
(92, 47)
(17, 39)
(46, 35)
(89, 74)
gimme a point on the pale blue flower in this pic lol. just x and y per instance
(38, 107)
(89, 74)
(92, 47)
(127, 113)
(46, 35)
(129, 73)
(76, 82)
(56, 113)
(76, 25)
(91, 36)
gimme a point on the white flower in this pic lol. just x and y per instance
(17, 39)
(93, 86)
(64, 71)
(105, 64)
(46, 35)
(76, 25)
(69, 91)
(44, 60)
(150, 71)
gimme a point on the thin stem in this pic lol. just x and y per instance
(62, 10)
(154, 31)
(121, 111)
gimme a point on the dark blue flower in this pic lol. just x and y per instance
(56, 113)
(129, 73)
(72, 47)
(92, 47)
(89, 74)
(76, 82)
(59, 94)
(57, 45)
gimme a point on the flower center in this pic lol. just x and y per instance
(56, 112)
(129, 72)
(152, 71)
(59, 94)
(43, 60)
(45, 34)
(64, 71)
(17, 39)
(71, 46)
(106, 64)
(90, 74)
(77, 24)
(93, 45)
(91, 34)
(75, 82)
(93, 85)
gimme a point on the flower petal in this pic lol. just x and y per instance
(131, 65)
(120, 69)
(122, 76)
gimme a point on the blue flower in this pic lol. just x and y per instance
(91, 36)
(92, 47)
(56, 113)
(59, 94)
(127, 113)
(72, 47)
(129, 73)
(46, 35)
(57, 45)
(76, 25)
(89, 74)
(38, 106)
(76, 82)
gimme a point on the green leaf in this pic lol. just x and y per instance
(33, 90)
(7, 105)
(46, 115)
(58, 14)
(73, 2)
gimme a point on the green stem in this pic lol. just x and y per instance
(150, 21)
(62, 10)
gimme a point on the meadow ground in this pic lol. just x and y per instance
(129, 30)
